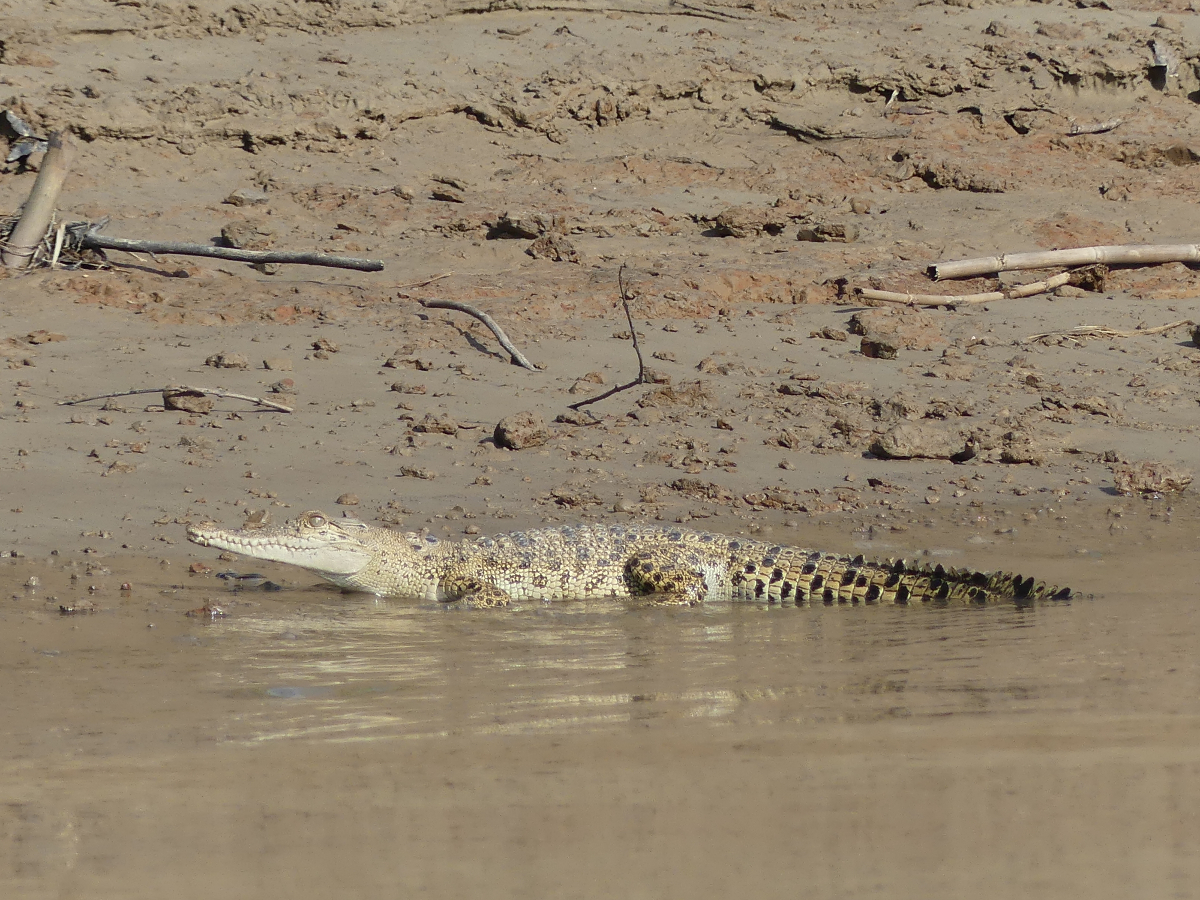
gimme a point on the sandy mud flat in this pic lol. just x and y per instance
(751, 166)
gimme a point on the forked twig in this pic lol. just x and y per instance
(637, 348)
(216, 392)
(518, 358)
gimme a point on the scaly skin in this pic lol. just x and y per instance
(661, 564)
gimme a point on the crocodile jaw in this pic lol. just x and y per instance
(335, 560)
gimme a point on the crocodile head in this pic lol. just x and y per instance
(332, 548)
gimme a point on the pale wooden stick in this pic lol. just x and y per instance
(1038, 287)
(1102, 331)
(216, 392)
(59, 234)
(516, 355)
(1120, 254)
(39, 208)
(932, 300)
(927, 300)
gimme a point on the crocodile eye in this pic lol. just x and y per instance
(316, 521)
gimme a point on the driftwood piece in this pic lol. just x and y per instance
(637, 348)
(517, 357)
(1100, 331)
(815, 131)
(1119, 254)
(1095, 128)
(952, 302)
(38, 212)
(102, 242)
(216, 392)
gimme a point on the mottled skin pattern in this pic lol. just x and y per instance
(661, 564)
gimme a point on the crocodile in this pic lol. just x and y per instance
(583, 562)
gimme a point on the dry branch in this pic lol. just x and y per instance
(631, 7)
(637, 348)
(38, 212)
(952, 302)
(518, 358)
(1120, 254)
(1086, 331)
(216, 392)
(101, 242)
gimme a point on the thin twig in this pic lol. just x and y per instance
(671, 8)
(1102, 331)
(518, 358)
(427, 281)
(637, 348)
(216, 392)
(933, 300)
(102, 242)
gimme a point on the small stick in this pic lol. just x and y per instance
(1120, 254)
(517, 357)
(39, 208)
(952, 302)
(216, 392)
(637, 348)
(59, 234)
(414, 284)
(672, 8)
(101, 242)
(1102, 331)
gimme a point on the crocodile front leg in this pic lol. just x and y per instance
(658, 581)
(473, 592)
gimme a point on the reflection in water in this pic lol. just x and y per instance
(373, 669)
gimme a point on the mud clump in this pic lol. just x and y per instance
(521, 431)
(1150, 477)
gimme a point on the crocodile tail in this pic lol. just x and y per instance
(814, 577)
(938, 585)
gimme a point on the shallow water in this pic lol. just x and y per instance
(312, 744)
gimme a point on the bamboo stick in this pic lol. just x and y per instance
(934, 300)
(30, 231)
(1120, 254)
